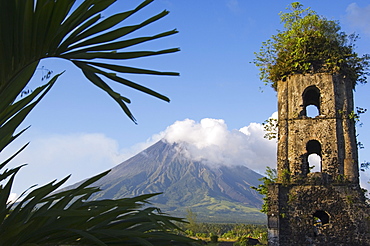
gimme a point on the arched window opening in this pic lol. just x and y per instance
(311, 101)
(314, 156)
(321, 217)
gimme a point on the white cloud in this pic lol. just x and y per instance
(55, 157)
(85, 155)
(210, 141)
(274, 115)
(94, 148)
(359, 17)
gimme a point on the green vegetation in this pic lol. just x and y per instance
(33, 30)
(271, 177)
(192, 225)
(355, 116)
(227, 232)
(271, 128)
(216, 232)
(310, 43)
(244, 241)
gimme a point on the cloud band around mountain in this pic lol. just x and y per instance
(211, 142)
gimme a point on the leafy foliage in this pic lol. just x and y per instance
(67, 218)
(33, 30)
(44, 217)
(191, 218)
(364, 165)
(271, 128)
(242, 233)
(228, 231)
(245, 230)
(271, 177)
(310, 43)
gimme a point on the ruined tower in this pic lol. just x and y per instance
(322, 205)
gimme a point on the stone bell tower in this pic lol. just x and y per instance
(322, 205)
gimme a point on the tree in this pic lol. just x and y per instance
(192, 225)
(310, 43)
(32, 30)
(270, 178)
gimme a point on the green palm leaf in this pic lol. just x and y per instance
(41, 29)
(32, 30)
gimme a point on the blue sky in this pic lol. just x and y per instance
(77, 129)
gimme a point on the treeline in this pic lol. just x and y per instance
(228, 232)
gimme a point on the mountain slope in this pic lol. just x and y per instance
(221, 194)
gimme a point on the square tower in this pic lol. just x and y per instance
(326, 206)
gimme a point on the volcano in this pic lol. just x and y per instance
(215, 193)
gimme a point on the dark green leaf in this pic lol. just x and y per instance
(117, 55)
(124, 69)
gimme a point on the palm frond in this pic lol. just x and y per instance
(41, 29)
(32, 30)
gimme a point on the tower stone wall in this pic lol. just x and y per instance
(325, 207)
